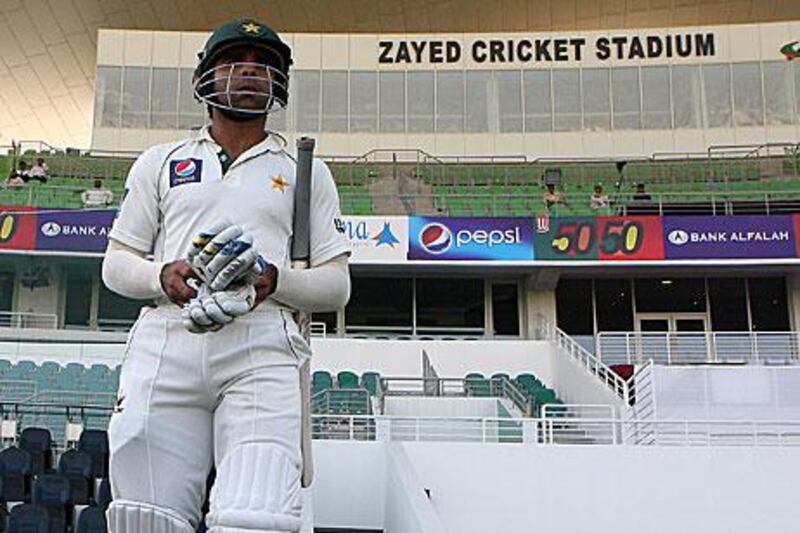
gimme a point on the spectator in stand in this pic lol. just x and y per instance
(641, 194)
(552, 197)
(18, 176)
(39, 171)
(598, 199)
(97, 196)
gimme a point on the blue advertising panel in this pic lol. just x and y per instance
(477, 239)
(74, 230)
(728, 237)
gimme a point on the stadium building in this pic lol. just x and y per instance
(576, 251)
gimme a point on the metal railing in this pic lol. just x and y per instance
(668, 348)
(341, 401)
(591, 363)
(26, 320)
(557, 431)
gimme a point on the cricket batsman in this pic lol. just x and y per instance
(211, 373)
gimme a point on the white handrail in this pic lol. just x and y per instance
(25, 320)
(629, 347)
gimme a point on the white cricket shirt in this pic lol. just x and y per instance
(176, 190)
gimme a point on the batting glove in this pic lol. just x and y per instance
(210, 311)
(224, 254)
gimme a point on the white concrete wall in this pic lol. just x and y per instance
(574, 384)
(557, 489)
(411, 406)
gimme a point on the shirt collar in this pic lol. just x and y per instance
(274, 142)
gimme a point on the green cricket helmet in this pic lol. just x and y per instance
(244, 89)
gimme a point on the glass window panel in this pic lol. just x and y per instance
(363, 101)
(108, 96)
(656, 114)
(306, 100)
(449, 303)
(380, 303)
(449, 101)
(334, 100)
(614, 305)
(567, 99)
(686, 97)
(329, 319)
(6, 291)
(670, 294)
(538, 102)
(768, 304)
(505, 309)
(748, 104)
(717, 92)
(392, 102)
(115, 312)
(78, 299)
(135, 97)
(420, 102)
(509, 100)
(191, 113)
(728, 299)
(778, 92)
(574, 306)
(164, 98)
(596, 99)
(478, 101)
(626, 98)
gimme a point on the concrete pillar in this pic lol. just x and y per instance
(793, 297)
(540, 300)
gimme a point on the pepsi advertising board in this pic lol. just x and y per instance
(470, 239)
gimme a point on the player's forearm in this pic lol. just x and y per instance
(128, 273)
(323, 288)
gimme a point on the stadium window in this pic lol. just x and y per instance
(6, 291)
(108, 97)
(420, 102)
(596, 99)
(768, 304)
(364, 101)
(614, 305)
(686, 96)
(449, 101)
(306, 100)
(334, 100)
(748, 106)
(509, 100)
(537, 95)
(656, 114)
(392, 89)
(626, 98)
(115, 312)
(78, 301)
(656, 295)
(505, 309)
(778, 92)
(450, 306)
(329, 319)
(164, 98)
(380, 304)
(191, 114)
(574, 309)
(728, 301)
(717, 96)
(478, 106)
(567, 99)
(135, 97)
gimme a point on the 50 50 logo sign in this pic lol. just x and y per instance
(487, 239)
(17, 227)
(604, 238)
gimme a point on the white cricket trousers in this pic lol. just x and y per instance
(185, 400)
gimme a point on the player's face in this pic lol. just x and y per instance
(243, 74)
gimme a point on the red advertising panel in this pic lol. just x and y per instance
(17, 227)
(630, 238)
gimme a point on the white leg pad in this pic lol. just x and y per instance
(126, 516)
(257, 489)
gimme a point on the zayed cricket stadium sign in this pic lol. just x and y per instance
(549, 49)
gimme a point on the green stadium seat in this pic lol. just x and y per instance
(477, 385)
(321, 380)
(347, 380)
(371, 382)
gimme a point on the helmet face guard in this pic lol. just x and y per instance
(246, 89)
